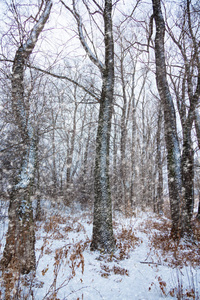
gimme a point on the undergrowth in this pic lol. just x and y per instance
(126, 241)
(67, 260)
(180, 288)
(70, 256)
(172, 252)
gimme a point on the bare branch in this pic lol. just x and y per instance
(30, 43)
(99, 7)
(151, 31)
(93, 95)
(87, 49)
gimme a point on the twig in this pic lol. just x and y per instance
(150, 263)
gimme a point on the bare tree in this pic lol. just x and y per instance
(171, 138)
(19, 250)
(103, 238)
(186, 88)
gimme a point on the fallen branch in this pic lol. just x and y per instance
(150, 263)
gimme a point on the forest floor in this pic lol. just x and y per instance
(146, 265)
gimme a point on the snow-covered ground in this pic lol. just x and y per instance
(146, 265)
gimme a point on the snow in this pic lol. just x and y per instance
(30, 43)
(66, 269)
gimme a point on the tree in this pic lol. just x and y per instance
(103, 238)
(19, 251)
(171, 138)
(159, 197)
(186, 89)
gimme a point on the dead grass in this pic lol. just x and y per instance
(174, 253)
(106, 271)
(126, 241)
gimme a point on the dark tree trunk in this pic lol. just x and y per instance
(159, 165)
(197, 125)
(71, 147)
(188, 112)
(54, 172)
(171, 139)
(123, 167)
(133, 145)
(38, 214)
(188, 184)
(19, 251)
(103, 238)
(143, 196)
(198, 212)
(115, 194)
(85, 166)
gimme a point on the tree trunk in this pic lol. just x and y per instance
(198, 212)
(171, 138)
(123, 167)
(133, 145)
(188, 183)
(72, 145)
(38, 214)
(197, 125)
(85, 166)
(188, 113)
(19, 251)
(103, 238)
(54, 172)
(159, 165)
(144, 175)
(115, 194)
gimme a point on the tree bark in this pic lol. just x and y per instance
(187, 163)
(19, 251)
(171, 138)
(197, 125)
(103, 238)
(159, 165)
(133, 144)
(198, 212)
(188, 113)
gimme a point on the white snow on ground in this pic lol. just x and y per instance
(66, 269)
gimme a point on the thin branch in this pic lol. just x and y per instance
(93, 95)
(99, 7)
(87, 49)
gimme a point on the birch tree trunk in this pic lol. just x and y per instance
(19, 251)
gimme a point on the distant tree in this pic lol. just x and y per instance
(159, 196)
(19, 251)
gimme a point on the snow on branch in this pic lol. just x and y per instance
(89, 52)
(36, 30)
